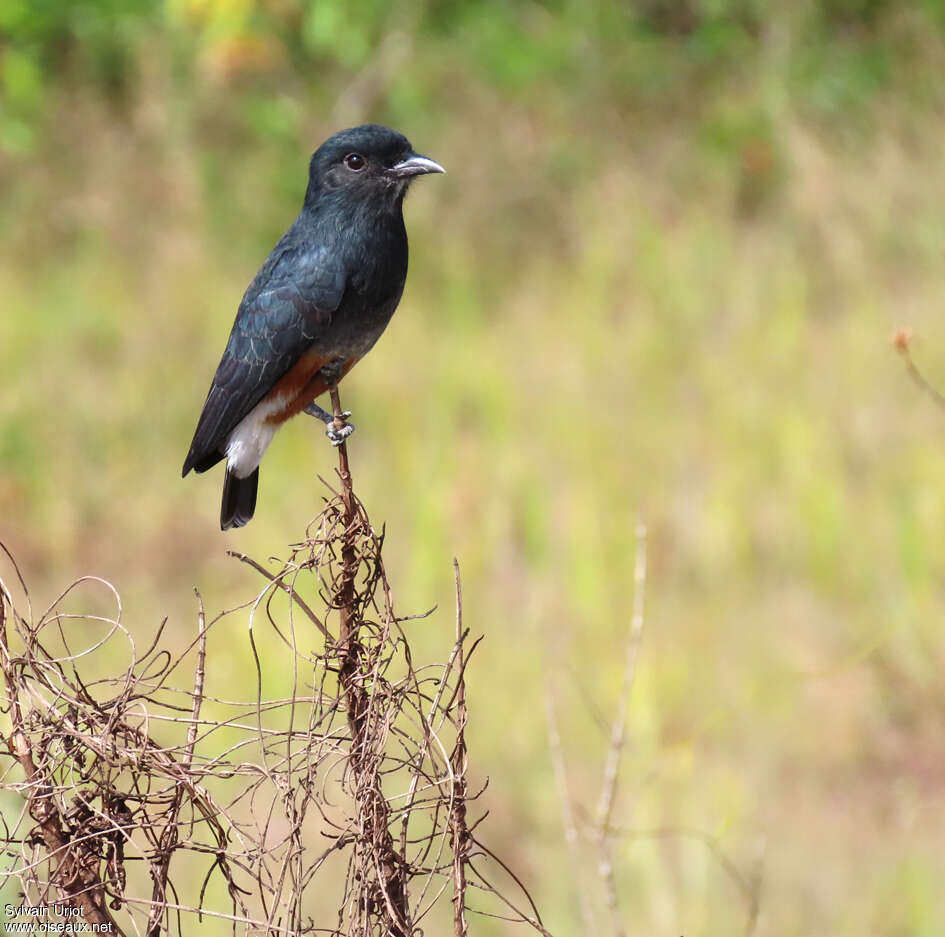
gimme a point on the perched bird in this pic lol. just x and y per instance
(314, 309)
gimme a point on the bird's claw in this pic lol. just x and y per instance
(338, 434)
(335, 433)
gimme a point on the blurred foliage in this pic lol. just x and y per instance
(837, 53)
(656, 283)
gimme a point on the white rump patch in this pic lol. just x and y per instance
(251, 438)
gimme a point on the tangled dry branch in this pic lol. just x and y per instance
(150, 800)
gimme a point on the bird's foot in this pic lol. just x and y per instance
(336, 433)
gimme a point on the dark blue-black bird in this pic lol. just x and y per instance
(320, 301)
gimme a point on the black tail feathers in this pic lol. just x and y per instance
(239, 499)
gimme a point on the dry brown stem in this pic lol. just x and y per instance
(384, 878)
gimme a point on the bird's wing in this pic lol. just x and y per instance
(285, 309)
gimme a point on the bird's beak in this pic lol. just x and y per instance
(414, 165)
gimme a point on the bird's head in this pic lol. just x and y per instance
(368, 162)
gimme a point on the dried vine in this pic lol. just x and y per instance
(153, 801)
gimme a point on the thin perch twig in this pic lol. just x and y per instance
(368, 789)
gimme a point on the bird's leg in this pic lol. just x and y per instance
(336, 435)
(337, 427)
(313, 409)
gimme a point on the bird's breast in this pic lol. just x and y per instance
(305, 381)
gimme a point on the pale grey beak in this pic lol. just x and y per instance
(414, 165)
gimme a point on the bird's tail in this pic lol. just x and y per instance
(239, 499)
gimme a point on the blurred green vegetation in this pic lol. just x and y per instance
(656, 284)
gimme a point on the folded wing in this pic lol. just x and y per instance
(285, 310)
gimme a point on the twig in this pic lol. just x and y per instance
(348, 555)
(161, 865)
(459, 833)
(605, 804)
(567, 814)
(278, 581)
(902, 341)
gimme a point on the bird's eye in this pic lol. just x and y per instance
(355, 162)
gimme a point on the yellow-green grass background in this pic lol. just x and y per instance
(656, 286)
